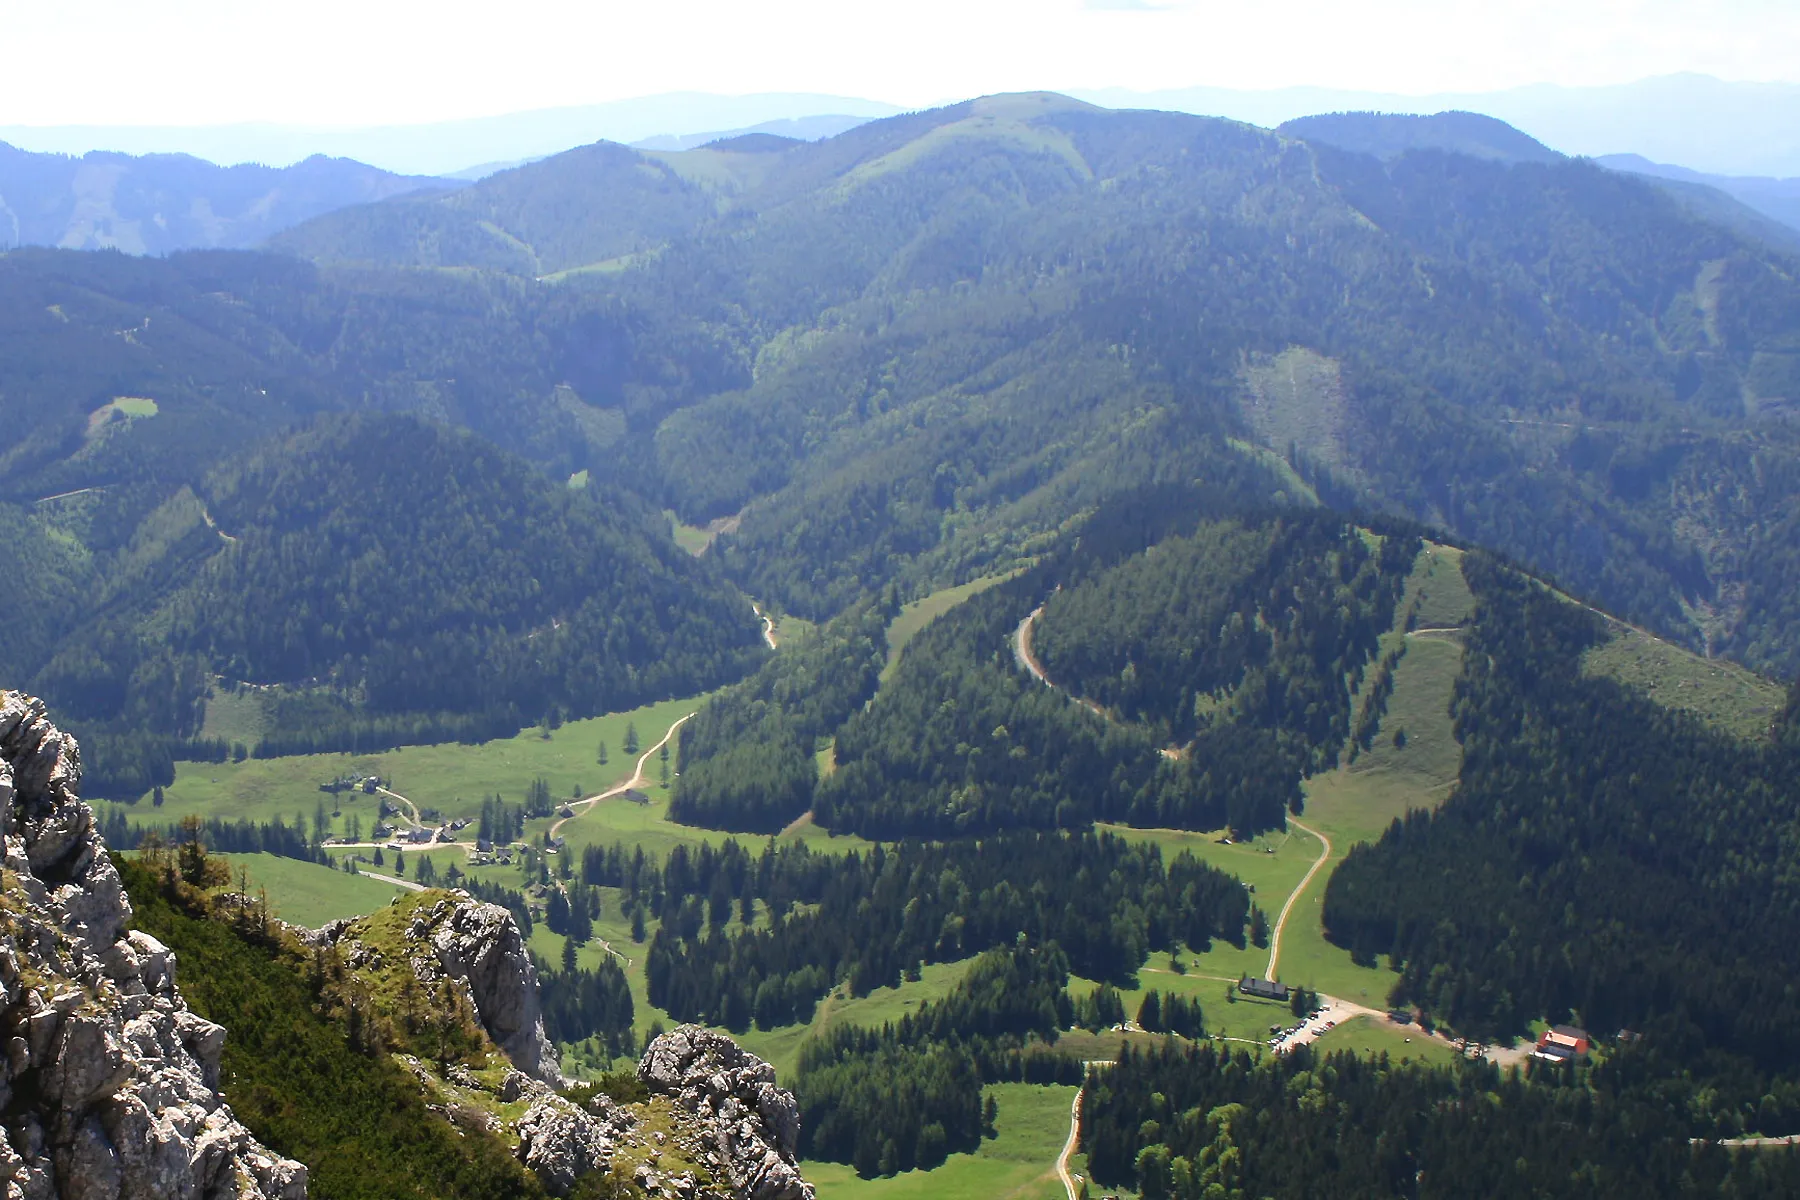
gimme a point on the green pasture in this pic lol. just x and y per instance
(1723, 694)
(1226, 1011)
(1438, 589)
(234, 716)
(781, 1047)
(451, 777)
(1019, 1164)
(304, 893)
(920, 613)
(691, 538)
(1372, 1036)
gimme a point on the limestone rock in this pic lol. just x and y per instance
(478, 948)
(561, 1142)
(751, 1124)
(109, 1084)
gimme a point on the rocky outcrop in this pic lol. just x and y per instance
(750, 1127)
(108, 1083)
(715, 1127)
(477, 948)
(562, 1141)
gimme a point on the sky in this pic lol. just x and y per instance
(378, 62)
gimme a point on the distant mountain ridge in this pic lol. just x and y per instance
(1396, 325)
(1777, 199)
(1708, 124)
(1767, 210)
(1389, 135)
(160, 203)
(446, 148)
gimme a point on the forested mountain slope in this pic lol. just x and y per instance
(1390, 135)
(405, 582)
(159, 203)
(953, 329)
(1604, 859)
(579, 208)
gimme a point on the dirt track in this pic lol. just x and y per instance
(1281, 921)
(636, 780)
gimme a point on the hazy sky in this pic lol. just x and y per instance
(338, 62)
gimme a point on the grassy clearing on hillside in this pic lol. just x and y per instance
(691, 538)
(1020, 1164)
(920, 613)
(1443, 594)
(1419, 707)
(781, 1047)
(451, 777)
(1355, 803)
(1373, 1035)
(1723, 694)
(120, 409)
(306, 893)
(1238, 1017)
(234, 716)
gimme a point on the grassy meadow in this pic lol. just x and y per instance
(920, 613)
(1377, 1035)
(1019, 1164)
(306, 893)
(450, 778)
(1723, 694)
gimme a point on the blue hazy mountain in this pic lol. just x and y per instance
(1703, 123)
(164, 202)
(449, 147)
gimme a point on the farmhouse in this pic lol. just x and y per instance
(1563, 1043)
(1263, 989)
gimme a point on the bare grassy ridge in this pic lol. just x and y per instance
(1723, 694)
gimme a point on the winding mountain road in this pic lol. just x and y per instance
(411, 807)
(1068, 1150)
(637, 779)
(768, 624)
(1299, 889)
(1069, 1147)
(1026, 659)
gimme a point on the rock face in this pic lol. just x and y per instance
(751, 1126)
(562, 1141)
(733, 1136)
(108, 1084)
(478, 948)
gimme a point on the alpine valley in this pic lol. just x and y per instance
(1021, 649)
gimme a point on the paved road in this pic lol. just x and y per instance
(637, 778)
(1281, 921)
(1028, 660)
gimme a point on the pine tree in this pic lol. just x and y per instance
(1149, 1014)
(631, 738)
